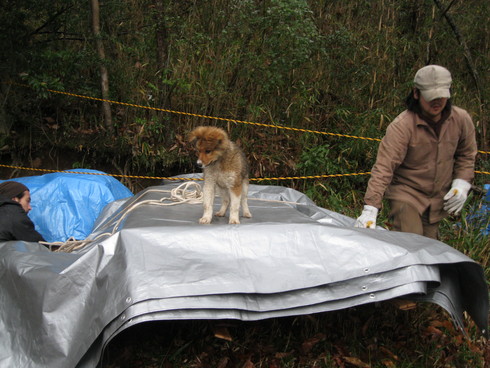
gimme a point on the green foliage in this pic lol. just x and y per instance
(81, 165)
(41, 83)
(316, 159)
(342, 67)
(465, 232)
(374, 335)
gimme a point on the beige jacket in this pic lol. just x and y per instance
(413, 165)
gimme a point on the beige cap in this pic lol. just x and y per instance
(433, 81)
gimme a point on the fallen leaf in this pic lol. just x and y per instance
(223, 362)
(446, 324)
(281, 355)
(388, 352)
(356, 362)
(248, 364)
(222, 333)
(431, 330)
(338, 360)
(274, 364)
(307, 345)
(388, 363)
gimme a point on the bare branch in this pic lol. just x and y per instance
(462, 42)
(50, 20)
(469, 60)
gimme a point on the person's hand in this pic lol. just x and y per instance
(367, 218)
(456, 197)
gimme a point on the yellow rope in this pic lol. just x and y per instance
(223, 119)
(92, 173)
(310, 176)
(178, 179)
(213, 117)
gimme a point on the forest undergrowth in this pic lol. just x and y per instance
(389, 334)
(340, 67)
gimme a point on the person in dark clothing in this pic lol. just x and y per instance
(15, 203)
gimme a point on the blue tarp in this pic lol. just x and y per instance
(485, 210)
(479, 215)
(151, 260)
(66, 205)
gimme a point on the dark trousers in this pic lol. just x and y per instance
(407, 219)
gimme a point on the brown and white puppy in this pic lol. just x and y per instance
(225, 169)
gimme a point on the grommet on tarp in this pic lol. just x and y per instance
(284, 261)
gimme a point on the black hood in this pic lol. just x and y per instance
(4, 200)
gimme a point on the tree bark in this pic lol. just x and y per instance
(4, 119)
(104, 74)
(161, 37)
(164, 90)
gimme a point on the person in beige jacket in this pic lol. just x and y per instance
(425, 161)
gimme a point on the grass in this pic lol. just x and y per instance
(374, 335)
(378, 335)
(336, 67)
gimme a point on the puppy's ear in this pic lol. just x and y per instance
(195, 134)
(220, 135)
(192, 137)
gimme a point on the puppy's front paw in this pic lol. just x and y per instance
(220, 213)
(234, 221)
(247, 214)
(205, 220)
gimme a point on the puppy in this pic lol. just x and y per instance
(225, 169)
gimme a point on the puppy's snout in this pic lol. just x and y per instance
(199, 164)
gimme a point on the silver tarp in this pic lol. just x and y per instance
(151, 260)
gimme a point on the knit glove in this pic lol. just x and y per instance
(456, 197)
(367, 218)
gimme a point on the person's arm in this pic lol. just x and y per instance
(464, 167)
(23, 228)
(391, 153)
(464, 158)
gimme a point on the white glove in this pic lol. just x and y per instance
(367, 218)
(455, 198)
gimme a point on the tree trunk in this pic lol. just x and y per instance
(471, 68)
(4, 120)
(161, 35)
(164, 90)
(104, 75)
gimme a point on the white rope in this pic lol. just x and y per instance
(189, 192)
(185, 195)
